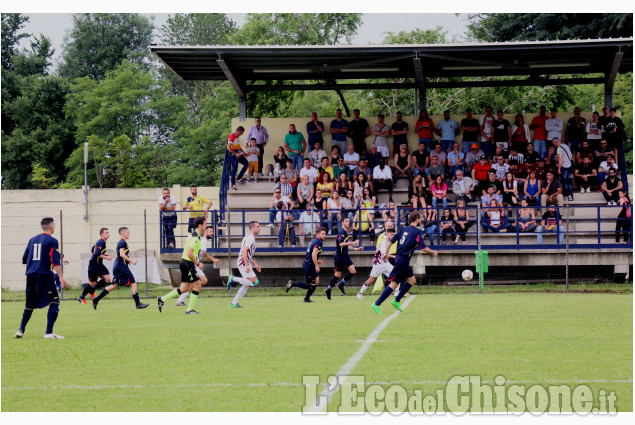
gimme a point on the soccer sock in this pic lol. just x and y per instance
(333, 282)
(385, 294)
(172, 294)
(51, 317)
(405, 287)
(363, 289)
(183, 296)
(243, 281)
(26, 316)
(103, 293)
(310, 292)
(86, 291)
(241, 293)
(136, 299)
(299, 285)
(193, 298)
(347, 278)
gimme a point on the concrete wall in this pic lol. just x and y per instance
(22, 211)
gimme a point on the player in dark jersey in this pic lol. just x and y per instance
(342, 260)
(121, 273)
(96, 266)
(41, 258)
(311, 266)
(408, 239)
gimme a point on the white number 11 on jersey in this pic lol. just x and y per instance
(37, 250)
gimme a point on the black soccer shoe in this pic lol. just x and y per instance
(142, 305)
(327, 291)
(341, 286)
(95, 304)
(159, 303)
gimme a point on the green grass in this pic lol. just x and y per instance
(122, 359)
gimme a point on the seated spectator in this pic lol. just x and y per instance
(585, 151)
(526, 217)
(447, 228)
(325, 168)
(600, 153)
(372, 157)
(514, 155)
(520, 135)
(342, 184)
(611, 187)
(439, 192)
(462, 222)
(551, 223)
(498, 151)
(334, 207)
(285, 187)
(510, 190)
(363, 168)
(317, 154)
(585, 175)
(500, 167)
(552, 190)
(491, 180)
(417, 192)
(390, 213)
(540, 169)
(440, 154)
(341, 168)
(421, 160)
(360, 183)
(309, 170)
(464, 188)
(363, 221)
(473, 157)
(291, 174)
(491, 194)
(350, 204)
(382, 178)
(326, 186)
(309, 220)
(285, 221)
(531, 157)
(533, 189)
(351, 159)
(320, 206)
(624, 214)
(367, 200)
(280, 163)
(480, 172)
(551, 159)
(495, 218)
(401, 165)
(335, 155)
(305, 192)
(605, 166)
(456, 161)
(429, 222)
(273, 205)
(520, 173)
(434, 170)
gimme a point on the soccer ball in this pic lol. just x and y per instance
(467, 274)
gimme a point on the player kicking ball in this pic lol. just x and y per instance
(121, 273)
(408, 238)
(380, 266)
(209, 232)
(311, 266)
(96, 268)
(343, 262)
(190, 280)
(246, 264)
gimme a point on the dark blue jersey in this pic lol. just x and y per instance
(120, 262)
(342, 237)
(408, 239)
(98, 249)
(309, 251)
(41, 255)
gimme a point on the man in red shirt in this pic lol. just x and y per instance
(540, 133)
(236, 156)
(480, 169)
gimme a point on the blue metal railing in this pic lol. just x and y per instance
(224, 185)
(622, 164)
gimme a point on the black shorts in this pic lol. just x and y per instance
(188, 271)
(401, 271)
(122, 277)
(40, 291)
(310, 274)
(342, 263)
(96, 270)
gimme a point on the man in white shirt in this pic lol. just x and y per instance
(309, 170)
(277, 197)
(603, 169)
(553, 126)
(382, 177)
(309, 221)
(317, 154)
(351, 158)
(258, 132)
(565, 167)
(167, 206)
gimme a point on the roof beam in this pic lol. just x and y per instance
(617, 61)
(238, 87)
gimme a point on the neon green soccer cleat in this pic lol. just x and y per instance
(396, 304)
(376, 308)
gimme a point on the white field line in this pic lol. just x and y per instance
(352, 362)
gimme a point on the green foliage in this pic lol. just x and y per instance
(12, 24)
(437, 35)
(41, 177)
(99, 42)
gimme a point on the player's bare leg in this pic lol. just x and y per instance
(246, 284)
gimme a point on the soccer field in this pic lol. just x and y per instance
(253, 359)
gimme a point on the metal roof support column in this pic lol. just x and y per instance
(610, 78)
(421, 84)
(242, 109)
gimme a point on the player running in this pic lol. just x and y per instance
(342, 260)
(408, 239)
(380, 266)
(121, 273)
(96, 266)
(244, 263)
(190, 260)
(311, 266)
(209, 232)
(41, 258)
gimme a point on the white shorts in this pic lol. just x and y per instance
(383, 150)
(381, 268)
(199, 272)
(243, 272)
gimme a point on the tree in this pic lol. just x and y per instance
(12, 23)
(99, 42)
(41, 177)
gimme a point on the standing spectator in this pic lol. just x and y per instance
(540, 133)
(273, 205)
(456, 161)
(473, 157)
(520, 134)
(402, 164)
(464, 188)
(533, 189)
(198, 206)
(309, 170)
(421, 160)
(425, 127)
(305, 193)
(510, 190)
(480, 172)
(605, 166)
(532, 156)
(500, 167)
(439, 153)
(526, 217)
(285, 220)
(471, 129)
(334, 207)
(236, 156)
(296, 145)
(485, 123)
(325, 168)
(342, 184)
(372, 157)
(381, 132)
(254, 157)
(624, 214)
(335, 154)
(382, 178)
(326, 186)
(552, 190)
(417, 192)
(604, 117)
(612, 130)
(553, 126)
(317, 154)
(339, 128)
(448, 129)
(399, 130)
(429, 223)
(351, 159)
(259, 132)
(462, 222)
(309, 221)
(447, 228)
(495, 218)
(280, 162)
(551, 222)
(502, 131)
(286, 189)
(594, 130)
(314, 130)
(167, 206)
(358, 131)
(611, 187)
(565, 167)
(434, 170)
(585, 150)
(340, 168)
(585, 175)
(576, 130)
(439, 191)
